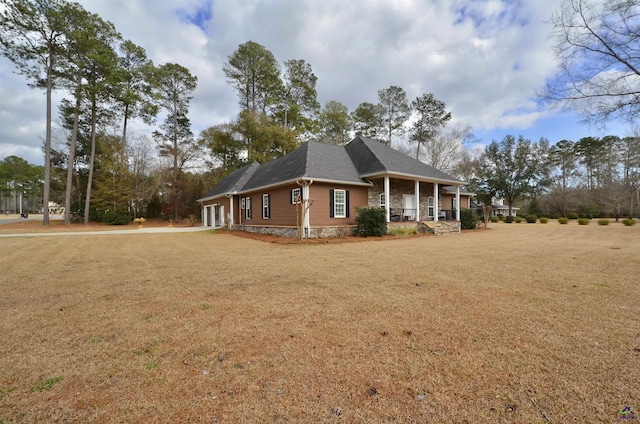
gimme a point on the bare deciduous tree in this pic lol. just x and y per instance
(597, 45)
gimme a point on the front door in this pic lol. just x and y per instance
(218, 218)
(409, 206)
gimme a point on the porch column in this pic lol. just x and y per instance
(204, 216)
(436, 201)
(458, 203)
(306, 220)
(387, 200)
(417, 190)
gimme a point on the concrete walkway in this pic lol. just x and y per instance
(151, 230)
(155, 230)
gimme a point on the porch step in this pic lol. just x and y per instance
(441, 227)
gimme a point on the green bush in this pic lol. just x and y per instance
(531, 219)
(509, 219)
(519, 219)
(116, 217)
(468, 219)
(603, 222)
(563, 220)
(372, 222)
(573, 215)
(629, 222)
(544, 219)
(494, 219)
(583, 221)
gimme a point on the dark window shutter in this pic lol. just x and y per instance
(268, 206)
(331, 203)
(346, 203)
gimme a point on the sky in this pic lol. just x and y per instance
(486, 59)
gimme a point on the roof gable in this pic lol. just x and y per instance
(233, 182)
(372, 157)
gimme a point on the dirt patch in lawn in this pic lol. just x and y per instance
(522, 323)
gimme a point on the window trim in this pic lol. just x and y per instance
(266, 206)
(294, 195)
(336, 204)
(247, 210)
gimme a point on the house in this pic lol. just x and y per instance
(498, 208)
(314, 191)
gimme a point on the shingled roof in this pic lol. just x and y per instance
(373, 158)
(362, 158)
(312, 160)
(233, 182)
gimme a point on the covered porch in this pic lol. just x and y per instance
(413, 200)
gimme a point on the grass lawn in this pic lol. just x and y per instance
(525, 323)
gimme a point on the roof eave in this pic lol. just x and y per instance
(295, 181)
(413, 176)
(217, 196)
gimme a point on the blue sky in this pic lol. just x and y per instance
(486, 59)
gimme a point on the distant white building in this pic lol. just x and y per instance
(498, 208)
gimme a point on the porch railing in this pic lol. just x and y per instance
(402, 214)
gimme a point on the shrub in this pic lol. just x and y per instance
(629, 222)
(583, 221)
(116, 217)
(192, 220)
(372, 222)
(603, 222)
(563, 220)
(519, 219)
(509, 219)
(544, 219)
(494, 219)
(573, 215)
(531, 219)
(468, 219)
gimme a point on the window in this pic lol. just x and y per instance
(296, 196)
(454, 204)
(339, 203)
(430, 206)
(242, 203)
(266, 206)
(247, 209)
(383, 201)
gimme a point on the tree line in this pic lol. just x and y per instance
(592, 177)
(107, 81)
(20, 185)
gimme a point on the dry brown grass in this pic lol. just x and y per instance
(514, 324)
